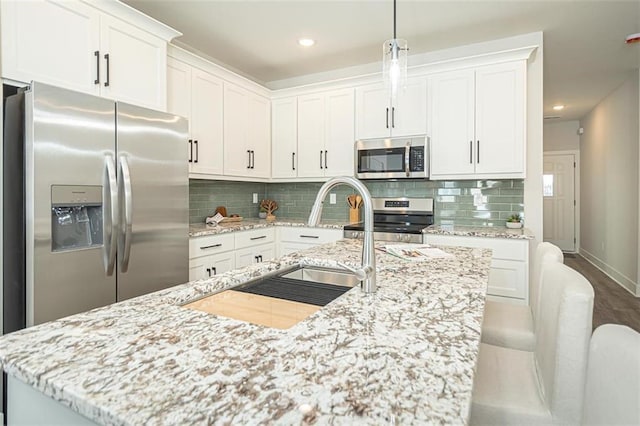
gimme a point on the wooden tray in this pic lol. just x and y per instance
(231, 219)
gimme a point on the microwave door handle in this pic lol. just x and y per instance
(407, 152)
(111, 206)
(128, 214)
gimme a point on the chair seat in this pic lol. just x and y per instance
(506, 389)
(508, 325)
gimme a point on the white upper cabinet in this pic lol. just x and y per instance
(284, 137)
(197, 95)
(74, 45)
(134, 64)
(247, 133)
(477, 122)
(326, 134)
(378, 117)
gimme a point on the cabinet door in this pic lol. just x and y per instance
(209, 266)
(500, 119)
(311, 135)
(451, 111)
(373, 113)
(284, 137)
(179, 94)
(259, 135)
(206, 123)
(236, 152)
(197, 269)
(246, 257)
(136, 69)
(265, 252)
(340, 133)
(508, 278)
(51, 41)
(409, 112)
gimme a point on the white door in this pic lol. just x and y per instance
(179, 95)
(311, 135)
(237, 157)
(284, 137)
(51, 42)
(206, 123)
(340, 133)
(409, 114)
(559, 200)
(451, 114)
(259, 135)
(373, 112)
(500, 127)
(134, 64)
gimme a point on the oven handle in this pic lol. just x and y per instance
(407, 152)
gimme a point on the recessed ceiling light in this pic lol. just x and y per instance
(306, 42)
(558, 107)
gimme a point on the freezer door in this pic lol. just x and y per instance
(153, 249)
(69, 188)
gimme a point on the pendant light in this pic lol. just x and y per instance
(394, 61)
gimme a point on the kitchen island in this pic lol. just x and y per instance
(406, 353)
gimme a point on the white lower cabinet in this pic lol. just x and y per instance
(208, 266)
(509, 275)
(255, 254)
(295, 239)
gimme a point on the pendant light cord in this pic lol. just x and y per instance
(394, 19)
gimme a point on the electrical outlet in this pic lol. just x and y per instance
(255, 198)
(332, 198)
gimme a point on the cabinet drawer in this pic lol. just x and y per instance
(211, 244)
(254, 237)
(502, 248)
(309, 235)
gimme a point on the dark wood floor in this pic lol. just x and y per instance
(613, 304)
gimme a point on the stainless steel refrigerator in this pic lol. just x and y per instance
(104, 188)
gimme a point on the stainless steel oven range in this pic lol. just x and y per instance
(397, 219)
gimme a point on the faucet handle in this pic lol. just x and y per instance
(361, 273)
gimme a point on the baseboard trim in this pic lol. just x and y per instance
(618, 277)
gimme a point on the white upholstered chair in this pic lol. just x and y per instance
(612, 393)
(545, 386)
(513, 326)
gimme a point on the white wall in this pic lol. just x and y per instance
(561, 136)
(609, 184)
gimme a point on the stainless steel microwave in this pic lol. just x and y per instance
(392, 158)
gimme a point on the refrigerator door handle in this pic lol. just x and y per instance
(111, 205)
(125, 248)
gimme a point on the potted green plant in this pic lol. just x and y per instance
(514, 221)
(263, 213)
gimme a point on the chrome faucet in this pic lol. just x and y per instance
(367, 272)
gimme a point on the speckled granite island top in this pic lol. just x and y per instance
(405, 354)
(200, 229)
(479, 231)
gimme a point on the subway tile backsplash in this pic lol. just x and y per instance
(454, 200)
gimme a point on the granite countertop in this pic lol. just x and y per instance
(479, 231)
(405, 354)
(200, 229)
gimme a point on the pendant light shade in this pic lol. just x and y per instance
(394, 61)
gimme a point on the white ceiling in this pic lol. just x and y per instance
(585, 57)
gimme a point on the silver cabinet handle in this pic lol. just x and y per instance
(111, 212)
(478, 152)
(387, 115)
(127, 224)
(211, 246)
(393, 117)
(320, 158)
(106, 58)
(258, 238)
(470, 152)
(407, 152)
(309, 236)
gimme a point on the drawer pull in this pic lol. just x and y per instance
(211, 246)
(258, 238)
(309, 236)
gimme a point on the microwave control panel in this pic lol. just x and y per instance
(416, 159)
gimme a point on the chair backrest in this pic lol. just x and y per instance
(563, 331)
(545, 253)
(612, 392)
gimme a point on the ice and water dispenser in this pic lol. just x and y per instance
(76, 217)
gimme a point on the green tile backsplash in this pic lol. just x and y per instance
(453, 199)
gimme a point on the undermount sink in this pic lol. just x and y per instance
(280, 299)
